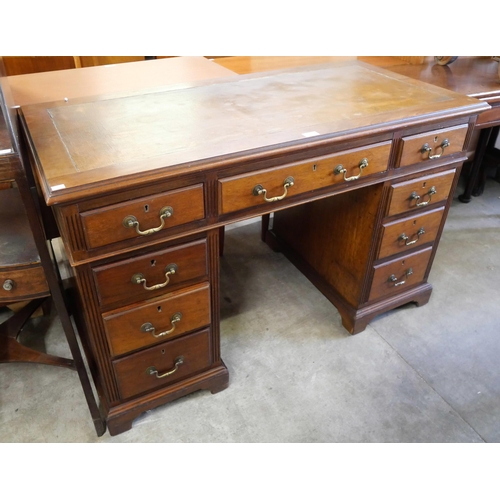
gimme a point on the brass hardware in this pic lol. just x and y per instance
(139, 278)
(405, 238)
(415, 196)
(393, 279)
(339, 169)
(131, 221)
(153, 371)
(258, 190)
(8, 285)
(149, 328)
(427, 149)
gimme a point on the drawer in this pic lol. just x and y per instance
(432, 145)
(424, 191)
(19, 283)
(398, 274)
(150, 275)
(410, 232)
(158, 320)
(490, 117)
(245, 191)
(148, 215)
(164, 364)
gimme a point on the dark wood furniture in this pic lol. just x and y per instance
(357, 163)
(21, 272)
(476, 77)
(27, 269)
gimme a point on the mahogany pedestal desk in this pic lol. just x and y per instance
(358, 165)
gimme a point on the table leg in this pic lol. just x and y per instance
(58, 297)
(488, 159)
(476, 167)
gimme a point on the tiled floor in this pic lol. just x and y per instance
(428, 374)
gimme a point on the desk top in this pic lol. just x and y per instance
(88, 146)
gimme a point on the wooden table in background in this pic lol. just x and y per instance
(117, 79)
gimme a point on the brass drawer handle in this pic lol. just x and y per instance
(339, 169)
(415, 196)
(258, 190)
(131, 221)
(139, 278)
(8, 285)
(405, 238)
(427, 149)
(153, 371)
(149, 328)
(393, 279)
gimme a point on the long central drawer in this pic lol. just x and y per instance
(244, 191)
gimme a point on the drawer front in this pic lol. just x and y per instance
(398, 274)
(245, 191)
(162, 365)
(492, 116)
(127, 280)
(158, 320)
(432, 145)
(148, 215)
(19, 283)
(410, 232)
(425, 191)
